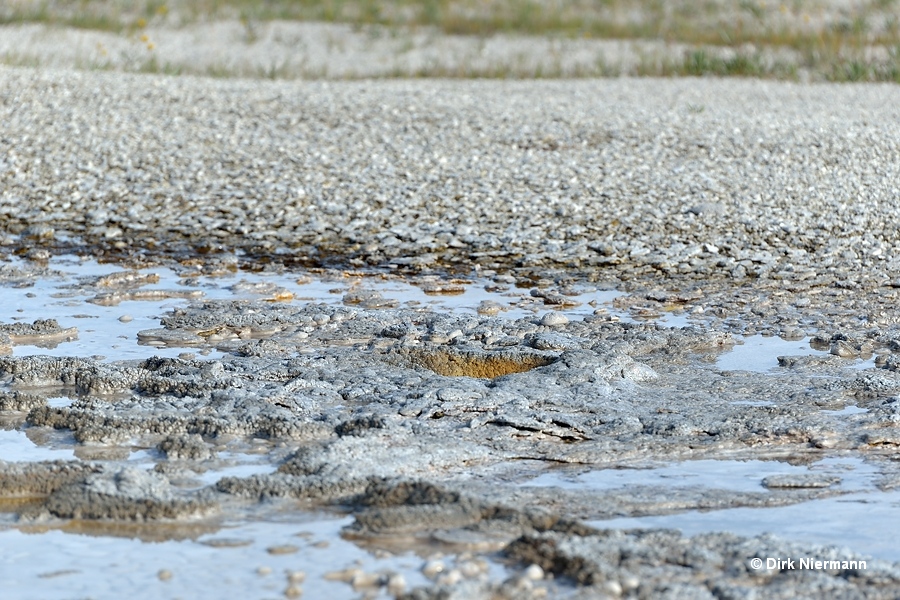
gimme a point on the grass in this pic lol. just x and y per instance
(16, 59)
(695, 63)
(702, 23)
(858, 69)
(833, 45)
(153, 65)
(700, 63)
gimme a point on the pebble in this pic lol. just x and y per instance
(451, 577)
(811, 480)
(613, 588)
(345, 575)
(794, 333)
(296, 577)
(38, 255)
(396, 584)
(38, 232)
(630, 582)
(363, 580)
(293, 592)
(843, 349)
(226, 542)
(164, 574)
(554, 319)
(281, 295)
(433, 568)
(489, 308)
(472, 568)
(443, 288)
(282, 549)
(534, 572)
(126, 318)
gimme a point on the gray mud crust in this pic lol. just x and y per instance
(77, 490)
(429, 426)
(663, 564)
(746, 207)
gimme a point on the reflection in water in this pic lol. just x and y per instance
(133, 561)
(734, 475)
(103, 321)
(865, 522)
(17, 446)
(157, 531)
(760, 353)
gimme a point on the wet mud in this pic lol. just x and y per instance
(507, 439)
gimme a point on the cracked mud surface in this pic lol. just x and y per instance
(588, 372)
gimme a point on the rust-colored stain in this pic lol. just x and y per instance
(480, 365)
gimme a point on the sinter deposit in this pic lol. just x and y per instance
(582, 266)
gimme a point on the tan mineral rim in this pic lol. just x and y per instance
(482, 365)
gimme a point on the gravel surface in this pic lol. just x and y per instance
(691, 179)
(790, 189)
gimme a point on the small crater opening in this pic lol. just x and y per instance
(479, 364)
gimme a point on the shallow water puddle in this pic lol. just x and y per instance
(860, 364)
(760, 353)
(249, 560)
(866, 522)
(40, 443)
(744, 476)
(238, 465)
(864, 518)
(847, 410)
(15, 446)
(60, 402)
(734, 475)
(108, 316)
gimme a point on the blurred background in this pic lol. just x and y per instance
(833, 40)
